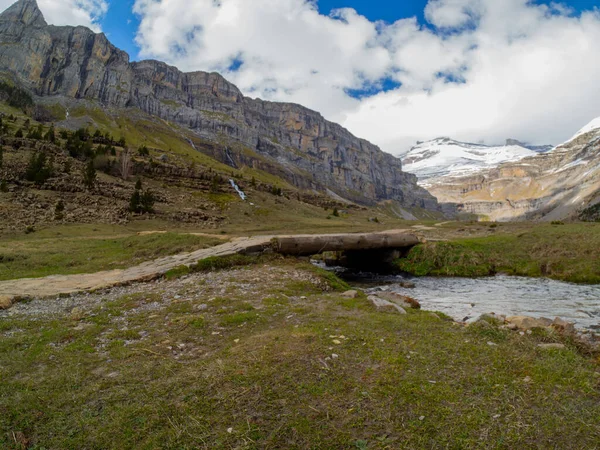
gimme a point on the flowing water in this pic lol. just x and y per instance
(466, 299)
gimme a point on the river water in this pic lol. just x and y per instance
(466, 299)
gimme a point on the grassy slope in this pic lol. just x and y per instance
(254, 370)
(565, 252)
(86, 249)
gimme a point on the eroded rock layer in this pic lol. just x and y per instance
(311, 152)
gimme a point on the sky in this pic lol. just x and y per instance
(393, 72)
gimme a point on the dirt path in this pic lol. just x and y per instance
(56, 285)
(69, 284)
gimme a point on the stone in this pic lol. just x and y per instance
(407, 285)
(563, 326)
(77, 314)
(402, 300)
(6, 301)
(527, 323)
(385, 304)
(350, 294)
(551, 346)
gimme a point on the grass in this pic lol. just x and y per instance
(255, 370)
(39, 255)
(563, 252)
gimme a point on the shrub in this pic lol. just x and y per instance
(143, 151)
(59, 210)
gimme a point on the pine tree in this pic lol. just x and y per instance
(50, 136)
(37, 170)
(89, 175)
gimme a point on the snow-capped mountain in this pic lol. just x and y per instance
(563, 183)
(592, 126)
(444, 156)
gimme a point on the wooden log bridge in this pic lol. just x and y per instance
(307, 245)
(366, 248)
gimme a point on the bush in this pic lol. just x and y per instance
(143, 151)
(59, 210)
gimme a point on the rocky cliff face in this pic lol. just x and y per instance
(556, 185)
(309, 151)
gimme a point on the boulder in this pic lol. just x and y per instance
(381, 303)
(563, 326)
(350, 294)
(527, 323)
(407, 285)
(5, 301)
(402, 300)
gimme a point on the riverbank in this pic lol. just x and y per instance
(272, 355)
(566, 252)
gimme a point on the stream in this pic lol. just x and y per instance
(466, 299)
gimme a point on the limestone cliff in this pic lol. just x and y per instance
(308, 151)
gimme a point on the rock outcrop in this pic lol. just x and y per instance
(309, 151)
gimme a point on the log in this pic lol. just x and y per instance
(307, 245)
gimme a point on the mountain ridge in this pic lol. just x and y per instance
(445, 157)
(76, 63)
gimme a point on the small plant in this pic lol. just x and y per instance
(19, 133)
(59, 210)
(143, 151)
(336, 213)
(214, 184)
(3, 186)
(1, 156)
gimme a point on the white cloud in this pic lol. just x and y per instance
(479, 70)
(69, 12)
